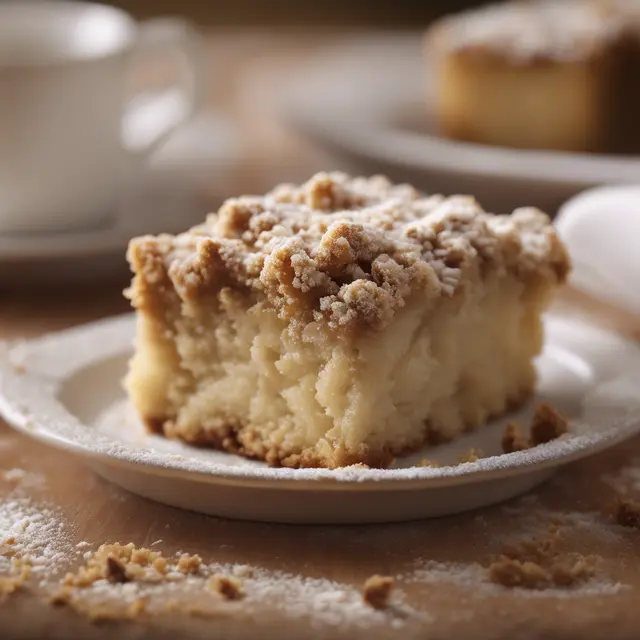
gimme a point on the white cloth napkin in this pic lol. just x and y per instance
(601, 228)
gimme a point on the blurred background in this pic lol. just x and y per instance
(357, 13)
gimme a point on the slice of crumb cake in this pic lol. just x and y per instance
(342, 321)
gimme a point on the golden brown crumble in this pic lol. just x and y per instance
(425, 462)
(377, 590)
(516, 573)
(227, 587)
(513, 439)
(627, 513)
(541, 564)
(547, 424)
(346, 252)
(189, 564)
(119, 563)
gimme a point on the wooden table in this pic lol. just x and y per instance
(434, 607)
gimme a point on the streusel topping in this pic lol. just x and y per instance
(540, 30)
(349, 251)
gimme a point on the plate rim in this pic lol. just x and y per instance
(359, 132)
(19, 414)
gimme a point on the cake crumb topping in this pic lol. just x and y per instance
(346, 252)
(377, 590)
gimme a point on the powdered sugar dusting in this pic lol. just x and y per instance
(323, 602)
(627, 479)
(36, 532)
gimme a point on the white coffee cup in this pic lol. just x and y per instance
(70, 135)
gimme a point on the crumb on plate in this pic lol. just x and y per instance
(547, 424)
(513, 439)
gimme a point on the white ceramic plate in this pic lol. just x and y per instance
(65, 390)
(368, 103)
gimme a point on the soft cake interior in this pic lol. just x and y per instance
(234, 376)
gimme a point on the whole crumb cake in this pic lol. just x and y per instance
(342, 321)
(554, 74)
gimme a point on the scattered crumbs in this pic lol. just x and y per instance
(227, 587)
(547, 424)
(157, 542)
(358, 465)
(515, 573)
(17, 578)
(539, 563)
(627, 513)
(189, 564)
(513, 439)
(33, 532)
(425, 462)
(117, 564)
(377, 590)
(83, 544)
(472, 455)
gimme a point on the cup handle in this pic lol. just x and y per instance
(150, 118)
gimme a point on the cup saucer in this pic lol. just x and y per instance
(98, 253)
(185, 179)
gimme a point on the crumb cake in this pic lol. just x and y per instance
(343, 321)
(547, 74)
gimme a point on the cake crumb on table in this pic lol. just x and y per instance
(540, 564)
(116, 572)
(627, 513)
(16, 581)
(229, 588)
(377, 590)
(513, 439)
(547, 424)
(515, 573)
(425, 462)
(189, 564)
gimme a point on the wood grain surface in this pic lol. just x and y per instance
(576, 500)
